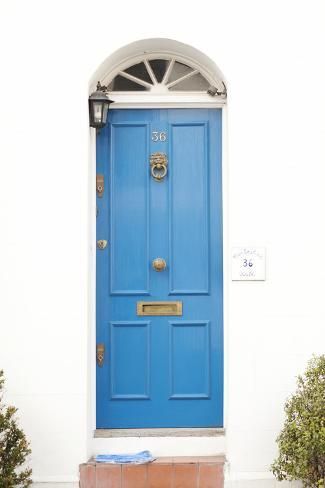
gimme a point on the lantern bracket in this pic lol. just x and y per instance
(102, 88)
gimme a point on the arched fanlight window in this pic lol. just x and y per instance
(167, 75)
(142, 75)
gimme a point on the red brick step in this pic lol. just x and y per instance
(165, 472)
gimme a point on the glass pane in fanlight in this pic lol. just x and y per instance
(194, 83)
(140, 71)
(159, 67)
(179, 70)
(97, 111)
(123, 84)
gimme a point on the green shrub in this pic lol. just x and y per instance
(302, 440)
(14, 448)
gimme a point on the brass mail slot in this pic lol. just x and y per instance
(159, 308)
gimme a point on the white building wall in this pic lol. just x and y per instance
(272, 55)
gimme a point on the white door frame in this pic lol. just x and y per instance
(127, 100)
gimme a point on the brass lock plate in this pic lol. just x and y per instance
(159, 308)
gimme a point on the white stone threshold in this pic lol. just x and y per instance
(197, 432)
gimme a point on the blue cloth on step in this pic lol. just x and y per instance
(138, 458)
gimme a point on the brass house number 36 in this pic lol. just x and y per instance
(158, 136)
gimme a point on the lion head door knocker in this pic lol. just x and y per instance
(158, 164)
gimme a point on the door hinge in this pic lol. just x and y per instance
(100, 185)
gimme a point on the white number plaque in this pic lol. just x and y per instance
(248, 263)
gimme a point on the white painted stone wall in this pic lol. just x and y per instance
(272, 55)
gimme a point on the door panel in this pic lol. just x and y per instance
(160, 371)
(189, 270)
(190, 359)
(130, 356)
(129, 210)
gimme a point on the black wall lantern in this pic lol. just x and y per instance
(98, 107)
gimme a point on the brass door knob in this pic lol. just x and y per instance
(159, 264)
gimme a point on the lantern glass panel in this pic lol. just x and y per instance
(105, 110)
(97, 111)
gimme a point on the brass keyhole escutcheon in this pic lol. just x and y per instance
(159, 264)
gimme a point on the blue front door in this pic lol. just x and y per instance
(160, 370)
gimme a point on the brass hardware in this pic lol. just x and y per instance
(101, 244)
(159, 264)
(159, 308)
(100, 353)
(100, 185)
(158, 164)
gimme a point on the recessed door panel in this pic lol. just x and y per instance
(189, 247)
(129, 209)
(189, 359)
(130, 356)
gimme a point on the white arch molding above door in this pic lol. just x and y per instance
(160, 73)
